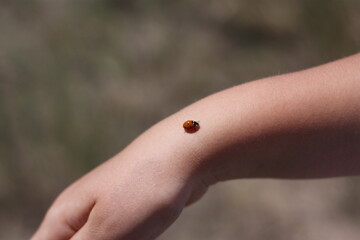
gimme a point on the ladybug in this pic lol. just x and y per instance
(191, 126)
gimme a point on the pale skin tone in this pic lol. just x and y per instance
(300, 125)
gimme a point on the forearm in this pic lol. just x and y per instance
(299, 125)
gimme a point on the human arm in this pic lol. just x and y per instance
(299, 125)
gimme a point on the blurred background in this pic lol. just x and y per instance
(80, 79)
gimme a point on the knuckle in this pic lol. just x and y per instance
(55, 212)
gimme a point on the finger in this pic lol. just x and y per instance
(67, 215)
(109, 222)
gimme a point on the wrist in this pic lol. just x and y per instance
(168, 151)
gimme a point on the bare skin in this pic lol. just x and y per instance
(300, 125)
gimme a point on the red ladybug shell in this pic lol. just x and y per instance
(191, 126)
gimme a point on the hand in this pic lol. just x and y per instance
(301, 125)
(135, 195)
